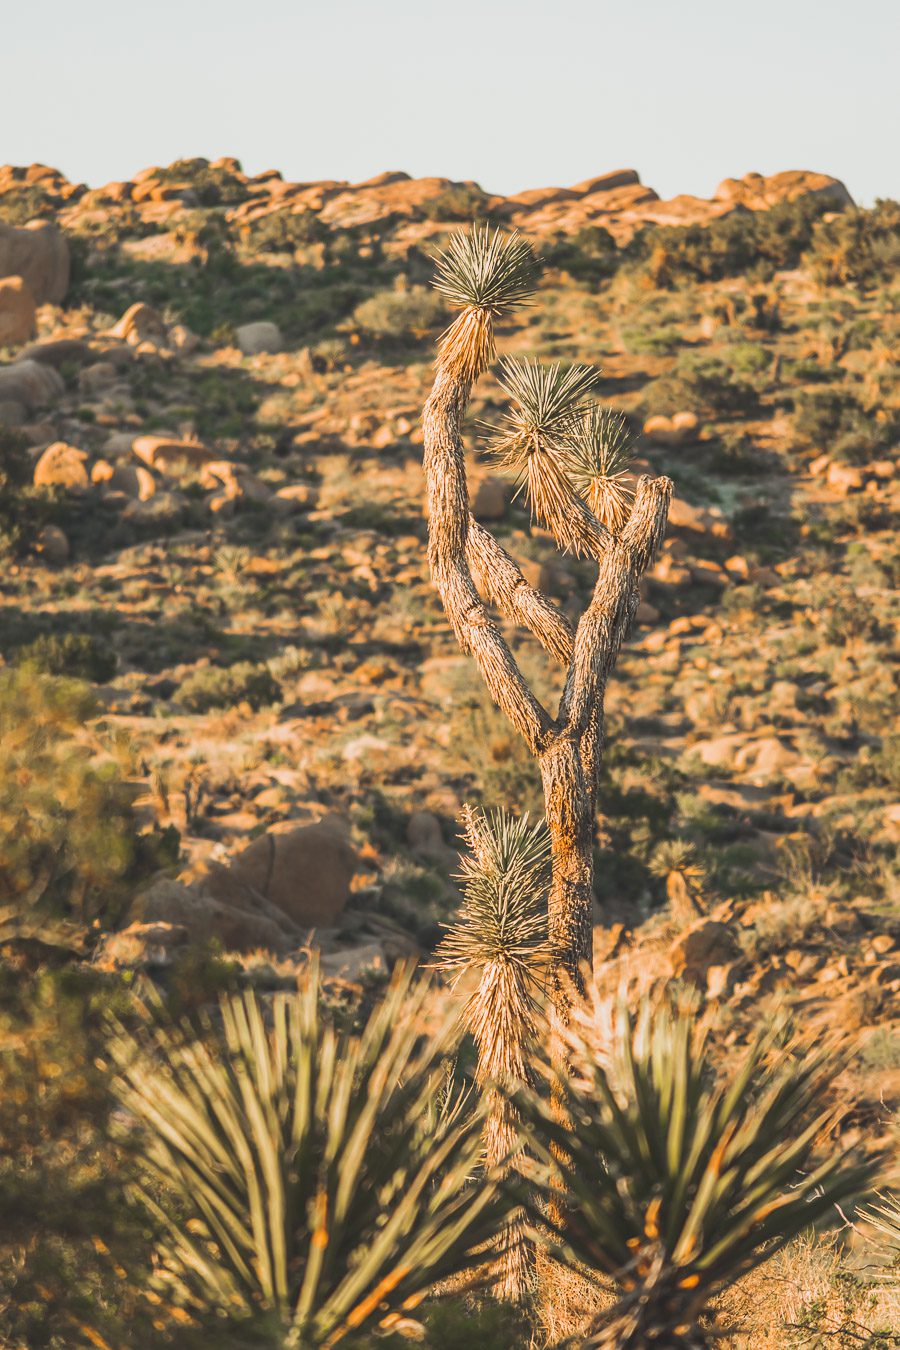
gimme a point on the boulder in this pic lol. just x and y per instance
(62, 465)
(30, 383)
(53, 546)
(141, 323)
(96, 377)
(306, 872)
(202, 917)
(674, 430)
(16, 312)
(255, 338)
(424, 834)
(168, 455)
(698, 949)
(844, 478)
(56, 351)
(236, 480)
(39, 254)
(298, 496)
(133, 480)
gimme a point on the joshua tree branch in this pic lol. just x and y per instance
(608, 617)
(448, 500)
(499, 579)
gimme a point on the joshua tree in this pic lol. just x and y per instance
(571, 456)
(677, 1181)
(321, 1188)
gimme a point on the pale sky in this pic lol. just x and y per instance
(511, 93)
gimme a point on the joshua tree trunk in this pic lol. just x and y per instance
(569, 810)
(483, 276)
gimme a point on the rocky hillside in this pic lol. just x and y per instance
(212, 512)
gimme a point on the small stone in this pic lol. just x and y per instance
(256, 338)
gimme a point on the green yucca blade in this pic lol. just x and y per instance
(324, 1187)
(677, 1182)
(597, 451)
(547, 402)
(485, 269)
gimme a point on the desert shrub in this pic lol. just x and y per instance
(70, 849)
(858, 248)
(414, 313)
(747, 358)
(62, 1184)
(591, 254)
(284, 231)
(23, 508)
(755, 242)
(225, 686)
(701, 384)
(28, 202)
(835, 420)
(211, 186)
(78, 655)
(461, 201)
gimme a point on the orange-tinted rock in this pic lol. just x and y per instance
(39, 254)
(16, 312)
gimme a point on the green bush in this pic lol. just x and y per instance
(755, 242)
(70, 849)
(23, 508)
(591, 254)
(28, 202)
(858, 248)
(284, 231)
(834, 419)
(211, 187)
(401, 313)
(463, 202)
(701, 384)
(223, 687)
(77, 655)
(67, 1225)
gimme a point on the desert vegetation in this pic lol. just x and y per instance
(448, 823)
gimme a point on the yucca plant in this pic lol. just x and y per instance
(676, 1180)
(598, 458)
(320, 1189)
(675, 861)
(570, 459)
(498, 949)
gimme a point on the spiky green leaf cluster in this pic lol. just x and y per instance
(598, 456)
(484, 269)
(320, 1188)
(505, 875)
(679, 1182)
(547, 402)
